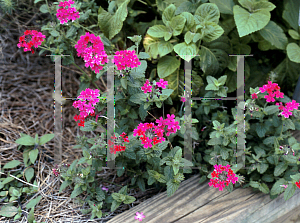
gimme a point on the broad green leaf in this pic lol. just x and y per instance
(33, 202)
(291, 12)
(156, 47)
(262, 167)
(280, 168)
(111, 25)
(288, 124)
(64, 185)
(158, 31)
(295, 35)
(293, 52)
(115, 205)
(129, 199)
(271, 109)
(12, 164)
(247, 22)
(171, 187)
(268, 178)
(54, 33)
(188, 37)
(185, 7)
(33, 155)
(289, 191)
(275, 35)
(264, 188)
(143, 55)
(46, 138)
(44, 8)
(124, 83)
(25, 141)
(168, 14)
(167, 65)
(71, 31)
(186, 51)
(141, 183)
(254, 184)
(211, 31)
(190, 22)
(208, 12)
(177, 24)
(277, 189)
(76, 192)
(29, 173)
(208, 61)
(8, 211)
(225, 6)
(261, 130)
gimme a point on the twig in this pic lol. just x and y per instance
(19, 179)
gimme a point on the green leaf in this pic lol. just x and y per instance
(33, 202)
(190, 21)
(25, 141)
(262, 167)
(54, 33)
(46, 138)
(129, 199)
(44, 8)
(177, 24)
(291, 12)
(124, 83)
(293, 52)
(158, 31)
(295, 35)
(143, 55)
(275, 35)
(30, 217)
(167, 65)
(64, 185)
(168, 14)
(210, 31)
(171, 187)
(138, 98)
(271, 109)
(29, 173)
(33, 155)
(280, 168)
(225, 6)
(247, 22)
(264, 188)
(254, 184)
(156, 47)
(289, 191)
(268, 178)
(141, 183)
(261, 130)
(188, 37)
(288, 124)
(115, 205)
(208, 12)
(208, 61)
(111, 25)
(8, 211)
(12, 164)
(71, 31)
(76, 192)
(186, 51)
(277, 189)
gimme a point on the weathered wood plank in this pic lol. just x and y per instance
(193, 202)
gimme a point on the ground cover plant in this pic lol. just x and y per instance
(150, 121)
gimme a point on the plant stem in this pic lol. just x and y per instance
(87, 29)
(81, 70)
(49, 10)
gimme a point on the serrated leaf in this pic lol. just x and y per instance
(293, 52)
(12, 164)
(254, 184)
(225, 6)
(171, 187)
(167, 65)
(44, 8)
(157, 31)
(111, 25)
(268, 178)
(277, 189)
(261, 130)
(156, 47)
(143, 55)
(129, 199)
(168, 14)
(280, 168)
(271, 109)
(291, 13)
(264, 188)
(262, 167)
(275, 35)
(76, 192)
(46, 138)
(64, 185)
(141, 183)
(208, 12)
(54, 33)
(115, 205)
(177, 24)
(186, 51)
(247, 22)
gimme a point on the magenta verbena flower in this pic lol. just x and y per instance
(66, 12)
(91, 48)
(163, 84)
(31, 38)
(139, 216)
(126, 58)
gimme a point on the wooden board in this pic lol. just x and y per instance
(200, 203)
(194, 202)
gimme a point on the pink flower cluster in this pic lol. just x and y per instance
(126, 58)
(66, 13)
(91, 48)
(224, 175)
(29, 39)
(154, 89)
(269, 88)
(151, 133)
(139, 216)
(90, 96)
(117, 143)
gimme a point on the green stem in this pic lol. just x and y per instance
(82, 71)
(49, 10)
(86, 29)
